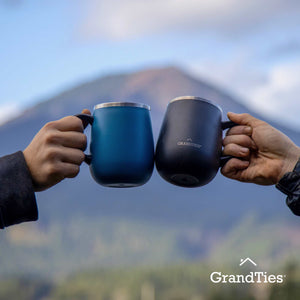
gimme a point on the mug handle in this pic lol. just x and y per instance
(225, 158)
(86, 119)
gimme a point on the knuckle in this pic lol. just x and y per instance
(51, 137)
(74, 172)
(229, 148)
(81, 157)
(247, 130)
(76, 122)
(233, 130)
(225, 141)
(245, 115)
(225, 148)
(50, 125)
(226, 169)
(52, 154)
(83, 140)
(53, 170)
(68, 118)
(223, 171)
(243, 153)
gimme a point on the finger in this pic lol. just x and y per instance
(246, 130)
(72, 156)
(69, 170)
(242, 119)
(236, 150)
(86, 111)
(241, 140)
(232, 169)
(71, 139)
(70, 123)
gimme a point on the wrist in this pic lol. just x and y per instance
(289, 162)
(28, 162)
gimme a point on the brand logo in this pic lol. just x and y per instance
(189, 142)
(251, 277)
(247, 260)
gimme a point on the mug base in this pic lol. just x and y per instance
(121, 185)
(185, 180)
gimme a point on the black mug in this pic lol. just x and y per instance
(189, 147)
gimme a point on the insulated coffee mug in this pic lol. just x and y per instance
(189, 147)
(122, 148)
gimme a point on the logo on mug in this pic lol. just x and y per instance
(189, 142)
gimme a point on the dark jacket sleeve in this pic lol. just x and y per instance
(17, 198)
(289, 184)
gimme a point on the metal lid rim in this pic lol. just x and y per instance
(130, 104)
(196, 98)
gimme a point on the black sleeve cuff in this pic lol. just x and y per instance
(289, 184)
(17, 198)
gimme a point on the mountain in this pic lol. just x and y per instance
(73, 211)
(155, 87)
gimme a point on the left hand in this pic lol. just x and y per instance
(56, 152)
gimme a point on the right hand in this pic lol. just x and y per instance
(56, 152)
(263, 154)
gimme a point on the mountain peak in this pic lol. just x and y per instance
(155, 86)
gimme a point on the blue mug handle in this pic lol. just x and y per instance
(86, 119)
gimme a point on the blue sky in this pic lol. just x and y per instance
(250, 48)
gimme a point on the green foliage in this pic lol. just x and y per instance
(82, 243)
(181, 282)
(24, 288)
(172, 282)
(291, 289)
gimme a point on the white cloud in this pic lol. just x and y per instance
(8, 111)
(274, 92)
(280, 94)
(125, 19)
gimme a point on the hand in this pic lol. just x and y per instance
(56, 152)
(263, 153)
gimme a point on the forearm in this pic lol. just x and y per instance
(17, 198)
(289, 184)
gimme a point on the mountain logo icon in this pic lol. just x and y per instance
(243, 261)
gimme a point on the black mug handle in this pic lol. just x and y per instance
(225, 158)
(86, 119)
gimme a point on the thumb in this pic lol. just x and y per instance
(86, 111)
(241, 119)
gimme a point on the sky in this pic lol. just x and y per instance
(250, 48)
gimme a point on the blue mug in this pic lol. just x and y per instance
(122, 146)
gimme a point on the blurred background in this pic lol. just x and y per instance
(157, 241)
